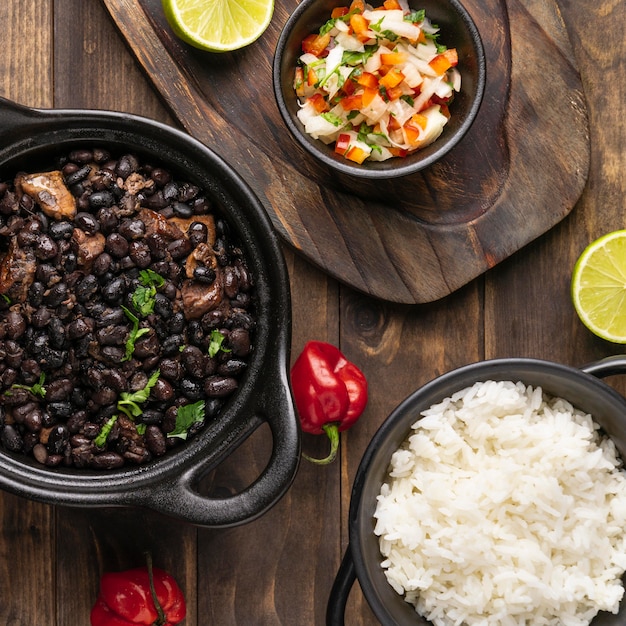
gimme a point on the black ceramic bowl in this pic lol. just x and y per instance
(29, 139)
(363, 558)
(457, 31)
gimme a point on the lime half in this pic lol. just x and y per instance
(218, 25)
(599, 287)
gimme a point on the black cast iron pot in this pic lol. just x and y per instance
(29, 139)
(362, 559)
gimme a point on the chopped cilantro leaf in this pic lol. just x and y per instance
(186, 416)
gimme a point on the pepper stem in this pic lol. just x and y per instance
(332, 430)
(161, 619)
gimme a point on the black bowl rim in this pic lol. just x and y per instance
(370, 170)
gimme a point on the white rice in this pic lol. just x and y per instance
(505, 507)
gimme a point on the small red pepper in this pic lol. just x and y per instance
(145, 595)
(330, 393)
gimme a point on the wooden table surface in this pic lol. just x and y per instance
(280, 568)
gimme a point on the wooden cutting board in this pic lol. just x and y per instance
(518, 172)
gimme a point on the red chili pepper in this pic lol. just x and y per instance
(330, 392)
(144, 595)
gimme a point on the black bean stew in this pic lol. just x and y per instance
(126, 311)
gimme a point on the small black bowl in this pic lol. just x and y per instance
(457, 31)
(362, 560)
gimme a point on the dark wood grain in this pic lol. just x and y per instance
(278, 570)
(409, 240)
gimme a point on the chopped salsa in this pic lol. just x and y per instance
(376, 82)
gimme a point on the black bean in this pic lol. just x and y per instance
(20, 412)
(107, 460)
(102, 264)
(160, 176)
(197, 233)
(101, 199)
(139, 252)
(79, 328)
(182, 210)
(110, 317)
(155, 441)
(147, 346)
(107, 217)
(187, 192)
(116, 245)
(127, 165)
(220, 386)
(15, 324)
(59, 410)
(33, 420)
(40, 453)
(59, 389)
(171, 345)
(170, 369)
(163, 306)
(56, 294)
(191, 389)
(239, 342)
(81, 155)
(35, 293)
(132, 229)
(86, 222)
(87, 287)
(204, 274)
(179, 248)
(176, 323)
(114, 291)
(45, 247)
(11, 438)
(57, 334)
(112, 335)
(232, 367)
(194, 361)
(77, 176)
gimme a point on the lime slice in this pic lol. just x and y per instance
(218, 25)
(599, 287)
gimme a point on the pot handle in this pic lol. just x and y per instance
(609, 366)
(14, 116)
(346, 576)
(180, 497)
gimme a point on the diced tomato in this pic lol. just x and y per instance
(368, 80)
(393, 58)
(399, 152)
(315, 44)
(339, 12)
(357, 6)
(311, 77)
(358, 24)
(392, 5)
(393, 123)
(356, 154)
(352, 103)
(414, 127)
(444, 61)
(348, 87)
(342, 144)
(319, 103)
(368, 95)
(392, 78)
(393, 93)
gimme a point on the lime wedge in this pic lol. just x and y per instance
(599, 287)
(218, 25)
